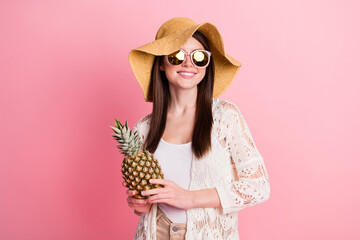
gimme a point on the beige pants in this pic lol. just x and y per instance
(166, 229)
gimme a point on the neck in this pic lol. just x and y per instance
(182, 99)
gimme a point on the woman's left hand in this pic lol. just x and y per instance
(171, 194)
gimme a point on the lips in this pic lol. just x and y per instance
(186, 74)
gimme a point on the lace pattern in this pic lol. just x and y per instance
(234, 167)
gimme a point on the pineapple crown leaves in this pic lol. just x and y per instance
(128, 141)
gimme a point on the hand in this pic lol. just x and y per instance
(139, 205)
(171, 194)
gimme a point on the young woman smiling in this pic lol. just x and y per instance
(212, 168)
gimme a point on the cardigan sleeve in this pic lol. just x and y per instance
(250, 184)
(141, 127)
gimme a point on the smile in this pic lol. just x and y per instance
(187, 74)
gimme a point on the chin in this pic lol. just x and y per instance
(185, 86)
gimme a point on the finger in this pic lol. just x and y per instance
(135, 205)
(153, 191)
(158, 197)
(162, 199)
(130, 192)
(133, 200)
(160, 181)
(141, 206)
(165, 200)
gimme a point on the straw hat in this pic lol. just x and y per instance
(171, 36)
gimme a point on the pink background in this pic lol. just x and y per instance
(65, 76)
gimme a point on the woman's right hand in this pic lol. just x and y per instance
(139, 205)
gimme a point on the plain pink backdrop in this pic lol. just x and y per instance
(65, 77)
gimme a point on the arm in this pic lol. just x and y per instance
(250, 185)
(205, 198)
(176, 196)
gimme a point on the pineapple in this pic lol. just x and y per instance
(138, 166)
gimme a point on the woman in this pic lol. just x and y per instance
(212, 168)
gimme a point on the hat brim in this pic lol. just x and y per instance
(141, 59)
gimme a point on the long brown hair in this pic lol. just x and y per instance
(159, 94)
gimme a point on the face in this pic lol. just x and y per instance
(175, 73)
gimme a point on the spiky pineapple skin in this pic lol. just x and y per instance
(138, 166)
(138, 169)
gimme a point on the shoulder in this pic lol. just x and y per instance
(223, 106)
(225, 114)
(142, 126)
(144, 119)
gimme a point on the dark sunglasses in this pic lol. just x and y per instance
(200, 58)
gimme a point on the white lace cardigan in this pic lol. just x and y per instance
(234, 167)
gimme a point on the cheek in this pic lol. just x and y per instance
(202, 74)
(169, 74)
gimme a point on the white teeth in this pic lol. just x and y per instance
(187, 74)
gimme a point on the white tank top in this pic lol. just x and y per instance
(175, 161)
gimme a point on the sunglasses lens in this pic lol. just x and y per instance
(176, 58)
(200, 58)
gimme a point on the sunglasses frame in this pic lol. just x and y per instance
(191, 57)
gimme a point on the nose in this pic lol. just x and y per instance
(187, 62)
